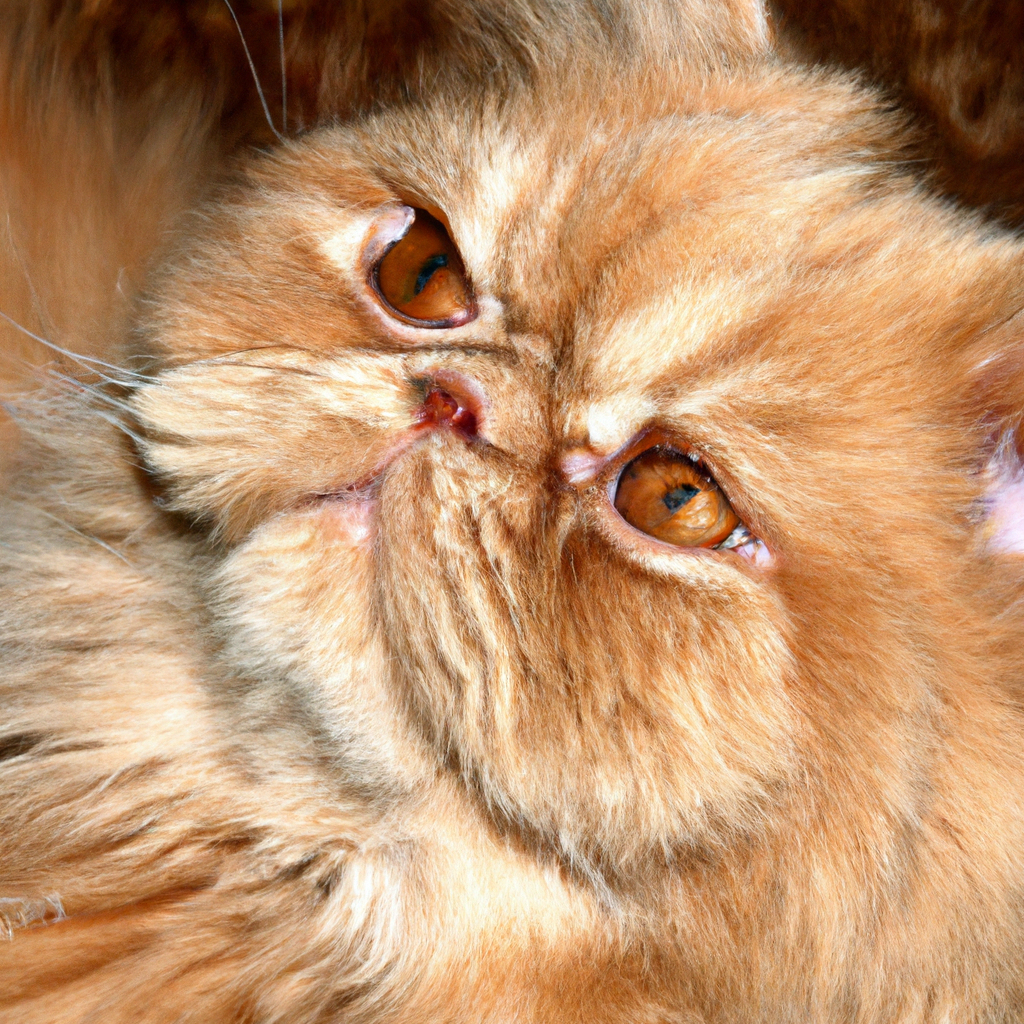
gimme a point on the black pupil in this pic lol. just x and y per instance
(679, 496)
(427, 270)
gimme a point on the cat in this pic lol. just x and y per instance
(538, 541)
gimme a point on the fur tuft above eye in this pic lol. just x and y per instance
(421, 278)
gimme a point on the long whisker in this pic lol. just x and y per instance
(252, 68)
(36, 303)
(284, 76)
(99, 403)
(100, 396)
(300, 371)
(273, 347)
(30, 420)
(85, 536)
(86, 362)
(137, 439)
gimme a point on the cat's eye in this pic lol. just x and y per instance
(664, 494)
(421, 278)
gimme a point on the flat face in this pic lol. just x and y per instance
(584, 449)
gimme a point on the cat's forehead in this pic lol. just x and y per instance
(647, 247)
(625, 221)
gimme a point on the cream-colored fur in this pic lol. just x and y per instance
(317, 711)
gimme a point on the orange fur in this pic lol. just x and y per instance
(316, 713)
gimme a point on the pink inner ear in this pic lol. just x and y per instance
(1004, 500)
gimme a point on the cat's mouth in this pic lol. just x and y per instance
(450, 403)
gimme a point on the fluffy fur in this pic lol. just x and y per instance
(958, 67)
(313, 712)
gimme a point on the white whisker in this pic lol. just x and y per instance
(284, 76)
(80, 533)
(138, 439)
(87, 362)
(37, 304)
(252, 68)
(244, 352)
(93, 392)
(10, 409)
(95, 401)
(268, 367)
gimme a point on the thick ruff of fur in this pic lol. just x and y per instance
(316, 712)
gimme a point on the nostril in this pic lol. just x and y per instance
(442, 409)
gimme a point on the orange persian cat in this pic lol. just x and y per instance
(523, 522)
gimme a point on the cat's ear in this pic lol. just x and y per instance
(996, 377)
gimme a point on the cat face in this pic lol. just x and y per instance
(422, 511)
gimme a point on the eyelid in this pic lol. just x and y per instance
(583, 468)
(417, 273)
(389, 227)
(586, 470)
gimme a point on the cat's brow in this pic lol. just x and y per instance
(505, 353)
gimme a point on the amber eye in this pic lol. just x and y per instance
(662, 493)
(421, 277)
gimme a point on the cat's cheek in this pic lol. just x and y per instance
(294, 607)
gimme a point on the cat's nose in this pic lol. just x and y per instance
(487, 397)
(442, 409)
(454, 402)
